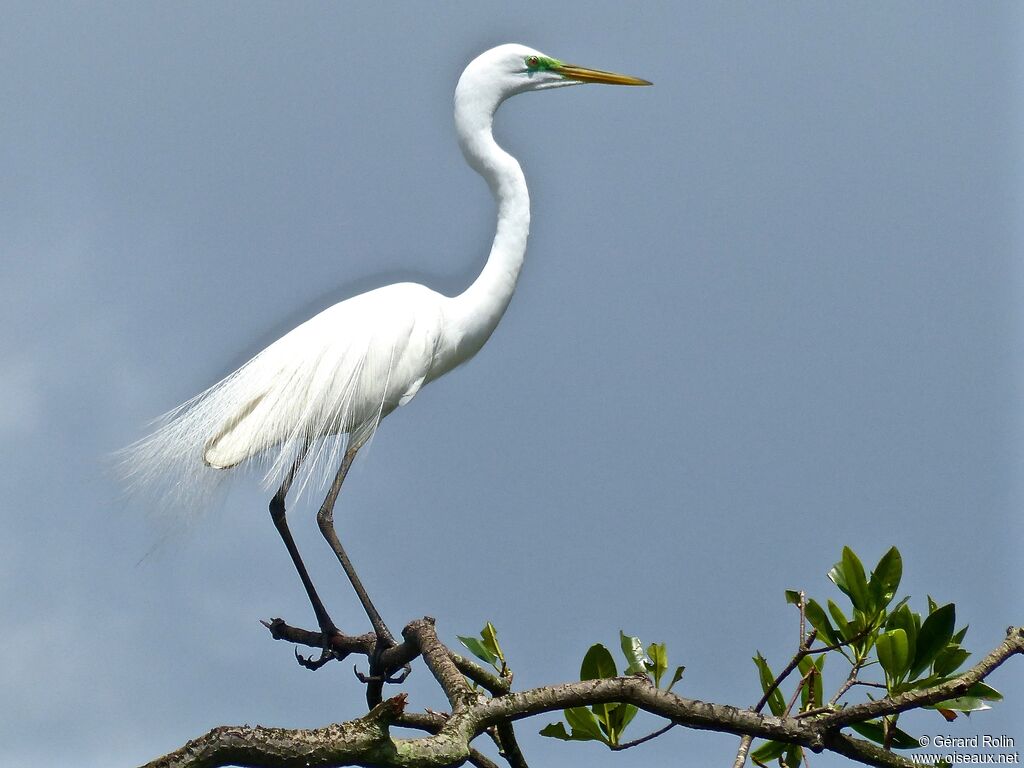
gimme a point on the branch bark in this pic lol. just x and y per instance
(367, 741)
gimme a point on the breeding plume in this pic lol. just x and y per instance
(311, 399)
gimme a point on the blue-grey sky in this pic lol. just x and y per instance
(771, 306)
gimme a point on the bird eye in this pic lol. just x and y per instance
(532, 62)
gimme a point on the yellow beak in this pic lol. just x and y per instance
(584, 75)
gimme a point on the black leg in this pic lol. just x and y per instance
(325, 518)
(277, 514)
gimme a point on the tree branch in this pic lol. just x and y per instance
(858, 713)
(367, 741)
(258, 747)
(438, 660)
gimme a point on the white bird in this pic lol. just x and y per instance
(317, 394)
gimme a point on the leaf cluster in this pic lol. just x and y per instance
(607, 722)
(912, 650)
(487, 649)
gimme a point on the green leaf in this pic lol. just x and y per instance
(820, 622)
(949, 660)
(659, 659)
(792, 597)
(557, 731)
(984, 691)
(584, 725)
(933, 636)
(903, 601)
(961, 704)
(959, 636)
(676, 677)
(856, 583)
(490, 638)
(872, 729)
(598, 664)
(770, 750)
(477, 649)
(775, 701)
(838, 617)
(893, 653)
(845, 630)
(633, 650)
(794, 756)
(885, 579)
(902, 618)
(621, 715)
(838, 578)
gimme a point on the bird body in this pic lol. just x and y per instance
(341, 372)
(348, 367)
(324, 387)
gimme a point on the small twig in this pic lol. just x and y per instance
(493, 683)
(823, 709)
(746, 741)
(508, 745)
(799, 687)
(836, 646)
(871, 684)
(642, 739)
(480, 760)
(428, 721)
(888, 731)
(850, 681)
(793, 664)
(741, 753)
(802, 605)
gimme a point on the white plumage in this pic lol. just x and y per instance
(336, 375)
(326, 385)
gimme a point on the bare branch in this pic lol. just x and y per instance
(495, 684)
(509, 746)
(865, 752)
(438, 659)
(480, 760)
(257, 747)
(643, 739)
(640, 692)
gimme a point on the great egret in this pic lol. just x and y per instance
(321, 390)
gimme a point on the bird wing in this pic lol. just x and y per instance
(341, 371)
(338, 373)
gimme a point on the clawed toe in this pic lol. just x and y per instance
(390, 679)
(326, 655)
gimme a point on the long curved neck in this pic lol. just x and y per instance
(474, 314)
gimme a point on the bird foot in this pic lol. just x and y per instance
(390, 679)
(326, 655)
(378, 673)
(327, 652)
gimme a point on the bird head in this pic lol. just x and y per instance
(509, 69)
